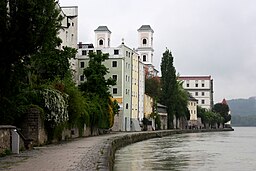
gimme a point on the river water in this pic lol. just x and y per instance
(220, 151)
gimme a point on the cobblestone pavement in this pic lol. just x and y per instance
(78, 154)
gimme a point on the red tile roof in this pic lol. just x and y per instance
(194, 77)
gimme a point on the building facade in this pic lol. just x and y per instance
(121, 68)
(68, 32)
(145, 49)
(201, 88)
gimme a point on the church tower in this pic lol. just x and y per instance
(145, 48)
(102, 37)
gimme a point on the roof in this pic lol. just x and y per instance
(145, 28)
(103, 28)
(194, 77)
(224, 102)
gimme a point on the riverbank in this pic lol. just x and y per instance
(107, 152)
(90, 153)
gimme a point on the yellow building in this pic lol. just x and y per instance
(192, 107)
(135, 123)
(148, 109)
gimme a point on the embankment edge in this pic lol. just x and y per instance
(107, 151)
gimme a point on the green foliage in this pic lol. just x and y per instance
(210, 117)
(50, 63)
(181, 109)
(223, 110)
(55, 105)
(5, 152)
(172, 95)
(95, 76)
(152, 87)
(25, 28)
(96, 87)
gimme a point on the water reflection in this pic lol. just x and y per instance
(200, 151)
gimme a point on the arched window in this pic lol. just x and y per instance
(101, 42)
(144, 58)
(144, 41)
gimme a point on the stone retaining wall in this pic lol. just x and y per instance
(5, 137)
(107, 152)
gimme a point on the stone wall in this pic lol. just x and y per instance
(33, 127)
(107, 152)
(5, 137)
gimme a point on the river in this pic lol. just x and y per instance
(213, 151)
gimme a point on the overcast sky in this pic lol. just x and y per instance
(206, 37)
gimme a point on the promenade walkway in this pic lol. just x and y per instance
(78, 154)
(82, 154)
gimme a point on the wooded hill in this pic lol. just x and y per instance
(243, 111)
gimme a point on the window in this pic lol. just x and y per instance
(187, 84)
(72, 24)
(81, 64)
(114, 63)
(114, 77)
(81, 77)
(203, 102)
(144, 58)
(98, 51)
(126, 106)
(84, 52)
(202, 84)
(196, 93)
(144, 41)
(114, 90)
(100, 42)
(202, 93)
(116, 52)
(196, 84)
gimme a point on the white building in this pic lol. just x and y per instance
(201, 88)
(68, 31)
(146, 50)
(123, 66)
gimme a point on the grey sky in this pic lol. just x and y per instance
(206, 37)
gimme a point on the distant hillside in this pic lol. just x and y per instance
(242, 107)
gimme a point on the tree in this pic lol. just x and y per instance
(96, 87)
(152, 87)
(169, 86)
(50, 63)
(181, 110)
(25, 27)
(223, 110)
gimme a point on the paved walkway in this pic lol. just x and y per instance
(78, 154)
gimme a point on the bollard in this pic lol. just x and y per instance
(15, 142)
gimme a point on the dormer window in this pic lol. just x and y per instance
(101, 42)
(144, 41)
